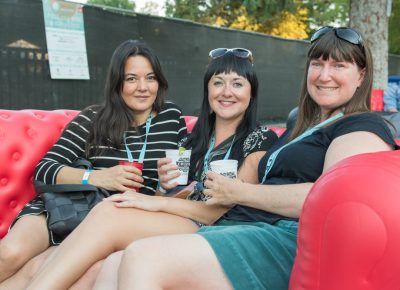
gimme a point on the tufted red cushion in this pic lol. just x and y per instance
(190, 122)
(25, 136)
(278, 130)
(349, 232)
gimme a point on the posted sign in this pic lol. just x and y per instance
(65, 36)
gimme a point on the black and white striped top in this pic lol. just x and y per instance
(166, 129)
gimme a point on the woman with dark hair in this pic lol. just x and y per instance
(218, 70)
(133, 121)
(226, 128)
(226, 122)
(254, 245)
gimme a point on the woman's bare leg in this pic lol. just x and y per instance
(26, 239)
(106, 229)
(171, 262)
(107, 278)
(21, 279)
(86, 282)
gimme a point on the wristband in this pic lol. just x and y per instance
(85, 176)
(160, 189)
(167, 191)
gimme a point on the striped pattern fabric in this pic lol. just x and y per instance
(166, 129)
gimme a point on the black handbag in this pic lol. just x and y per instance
(68, 204)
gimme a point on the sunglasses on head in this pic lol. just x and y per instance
(345, 33)
(238, 52)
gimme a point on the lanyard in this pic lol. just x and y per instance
(272, 157)
(211, 147)
(143, 150)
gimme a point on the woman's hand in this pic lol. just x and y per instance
(138, 200)
(221, 190)
(118, 178)
(166, 172)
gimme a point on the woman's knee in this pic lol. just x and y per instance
(147, 261)
(16, 252)
(102, 210)
(137, 258)
(10, 254)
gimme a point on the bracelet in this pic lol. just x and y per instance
(167, 191)
(85, 176)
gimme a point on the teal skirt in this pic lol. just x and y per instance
(254, 255)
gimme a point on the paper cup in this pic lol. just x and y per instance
(138, 165)
(226, 168)
(182, 159)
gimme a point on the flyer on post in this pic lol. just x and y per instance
(65, 37)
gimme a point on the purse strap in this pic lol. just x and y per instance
(63, 188)
(81, 162)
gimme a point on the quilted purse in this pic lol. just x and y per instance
(68, 204)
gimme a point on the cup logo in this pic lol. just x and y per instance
(180, 157)
(230, 174)
(181, 150)
(183, 164)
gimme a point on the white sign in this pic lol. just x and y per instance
(65, 36)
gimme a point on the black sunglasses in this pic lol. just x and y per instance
(345, 33)
(239, 52)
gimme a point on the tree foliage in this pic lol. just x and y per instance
(322, 12)
(292, 25)
(287, 18)
(121, 4)
(277, 17)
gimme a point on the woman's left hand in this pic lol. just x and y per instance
(138, 200)
(221, 190)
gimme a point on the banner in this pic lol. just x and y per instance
(65, 36)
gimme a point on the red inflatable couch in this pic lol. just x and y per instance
(25, 136)
(349, 232)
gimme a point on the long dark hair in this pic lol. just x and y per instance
(329, 45)
(114, 116)
(202, 131)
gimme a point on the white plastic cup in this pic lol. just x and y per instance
(182, 159)
(226, 168)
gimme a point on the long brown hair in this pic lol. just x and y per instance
(114, 116)
(330, 46)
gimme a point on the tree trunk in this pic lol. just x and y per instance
(370, 18)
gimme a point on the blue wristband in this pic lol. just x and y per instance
(160, 189)
(86, 176)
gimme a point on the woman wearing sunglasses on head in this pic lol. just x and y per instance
(254, 245)
(226, 128)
